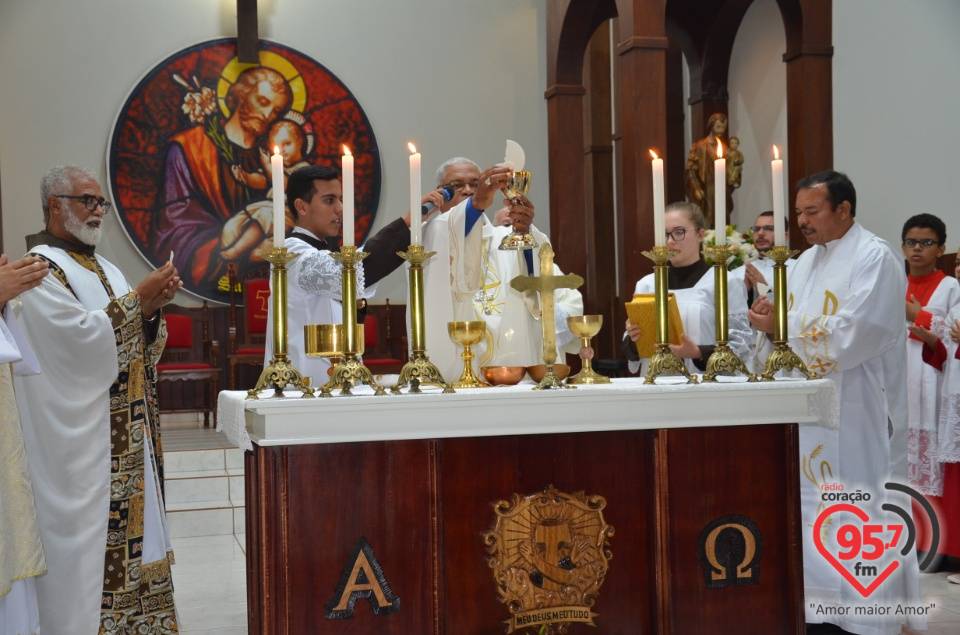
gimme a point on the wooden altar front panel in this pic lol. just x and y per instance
(423, 505)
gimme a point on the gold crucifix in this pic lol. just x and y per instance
(546, 283)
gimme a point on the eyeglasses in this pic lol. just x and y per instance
(90, 202)
(762, 228)
(459, 185)
(926, 243)
(677, 234)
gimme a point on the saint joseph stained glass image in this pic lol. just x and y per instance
(189, 155)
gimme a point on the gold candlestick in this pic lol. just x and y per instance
(664, 360)
(280, 372)
(419, 370)
(585, 327)
(350, 371)
(782, 357)
(723, 359)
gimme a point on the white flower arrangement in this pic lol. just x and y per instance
(746, 252)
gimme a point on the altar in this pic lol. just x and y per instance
(372, 514)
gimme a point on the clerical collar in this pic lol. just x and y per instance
(46, 238)
(309, 238)
(686, 276)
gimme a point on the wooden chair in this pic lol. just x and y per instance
(255, 298)
(189, 356)
(385, 352)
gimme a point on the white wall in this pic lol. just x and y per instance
(758, 107)
(458, 77)
(472, 76)
(896, 86)
(896, 121)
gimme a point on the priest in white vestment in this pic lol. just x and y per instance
(845, 321)
(90, 424)
(469, 278)
(21, 550)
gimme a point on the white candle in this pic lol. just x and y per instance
(776, 169)
(279, 216)
(659, 221)
(347, 197)
(720, 196)
(415, 220)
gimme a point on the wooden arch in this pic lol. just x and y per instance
(648, 37)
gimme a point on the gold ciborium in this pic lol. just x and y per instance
(327, 340)
(467, 334)
(518, 184)
(585, 327)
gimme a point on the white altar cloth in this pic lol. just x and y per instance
(625, 404)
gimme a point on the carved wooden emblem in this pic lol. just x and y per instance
(730, 548)
(549, 553)
(362, 578)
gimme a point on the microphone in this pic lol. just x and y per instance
(428, 207)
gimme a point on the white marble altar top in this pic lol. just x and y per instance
(626, 404)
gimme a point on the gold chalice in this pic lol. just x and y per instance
(585, 327)
(467, 334)
(518, 184)
(327, 340)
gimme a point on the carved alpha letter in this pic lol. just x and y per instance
(362, 578)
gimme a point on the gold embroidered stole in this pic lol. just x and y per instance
(136, 597)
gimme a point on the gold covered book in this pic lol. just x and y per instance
(642, 312)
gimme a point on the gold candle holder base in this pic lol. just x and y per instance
(586, 327)
(280, 372)
(278, 375)
(664, 360)
(723, 359)
(348, 373)
(550, 380)
(783, 357)
(419, 370)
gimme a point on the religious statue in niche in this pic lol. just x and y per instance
(699, 174)
(734, 163)
(189, 155)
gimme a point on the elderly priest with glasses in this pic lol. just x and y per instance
(90, 423)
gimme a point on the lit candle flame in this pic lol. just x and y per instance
(719, 149)
(413, 148)
(346, 150)
(276, 149)
(654, 154)
(776, 152)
